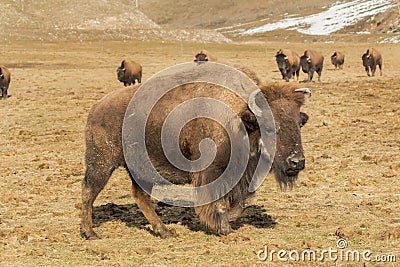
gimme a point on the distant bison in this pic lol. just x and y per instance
(129, 71)
(204, 55)
(312, 61)
(370, 59)
(5, 79)
(288, 63)
(337, 59)
(104, 150)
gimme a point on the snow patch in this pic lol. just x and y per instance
(329, 21)
(392, 40)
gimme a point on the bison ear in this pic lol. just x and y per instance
(249, 120)
(303, 119)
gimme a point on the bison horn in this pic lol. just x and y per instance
(253, 105)
(286, 58)
(306, 91)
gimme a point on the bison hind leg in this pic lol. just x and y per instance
(94, 181)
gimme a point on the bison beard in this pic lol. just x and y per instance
(104, 151)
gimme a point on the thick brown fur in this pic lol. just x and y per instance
(312, 61)
(129, 72)
(5, 79)
(288, 63)
(371, 59)
(104, 151)
(337, 59)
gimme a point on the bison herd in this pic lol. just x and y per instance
(105, 152)
(289, 62)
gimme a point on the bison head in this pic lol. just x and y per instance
(366, 58)
(289, 158)
(283, 65)
(305, 62)
(121, 76)
(200, 57)
(367, 62)
(333, 58)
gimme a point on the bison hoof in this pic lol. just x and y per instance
(164, 232)
(91, 235)
(225, 230)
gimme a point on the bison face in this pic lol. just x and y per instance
(305, 63)
(283, 65)
(333, 58)
(200, 57)
(366, 59)
(289, 158)
(121, 74)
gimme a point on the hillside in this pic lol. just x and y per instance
(194, 20)
(99, 19)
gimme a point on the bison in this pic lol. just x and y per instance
(5, 79)
(288, 63)
(104, 148)
(370, 59)
(204, 55)
(129, 71)
(337, 59)
(312, 61)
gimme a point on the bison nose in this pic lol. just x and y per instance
(296, 161)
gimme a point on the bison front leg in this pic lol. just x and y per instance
(143, 201)
(4, 92)
(297, 74)
(367, 71)
(373, 69)
(319, 72)
(310, 75)
(215, 216)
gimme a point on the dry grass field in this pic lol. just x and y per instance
(350, 188)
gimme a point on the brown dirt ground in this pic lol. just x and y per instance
(350, 187)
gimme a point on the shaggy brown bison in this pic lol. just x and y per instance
(337, 59)
(5, 79)
(104, 148)
(312, 61)
(288, 63)
(129, 71)
(370, 59)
